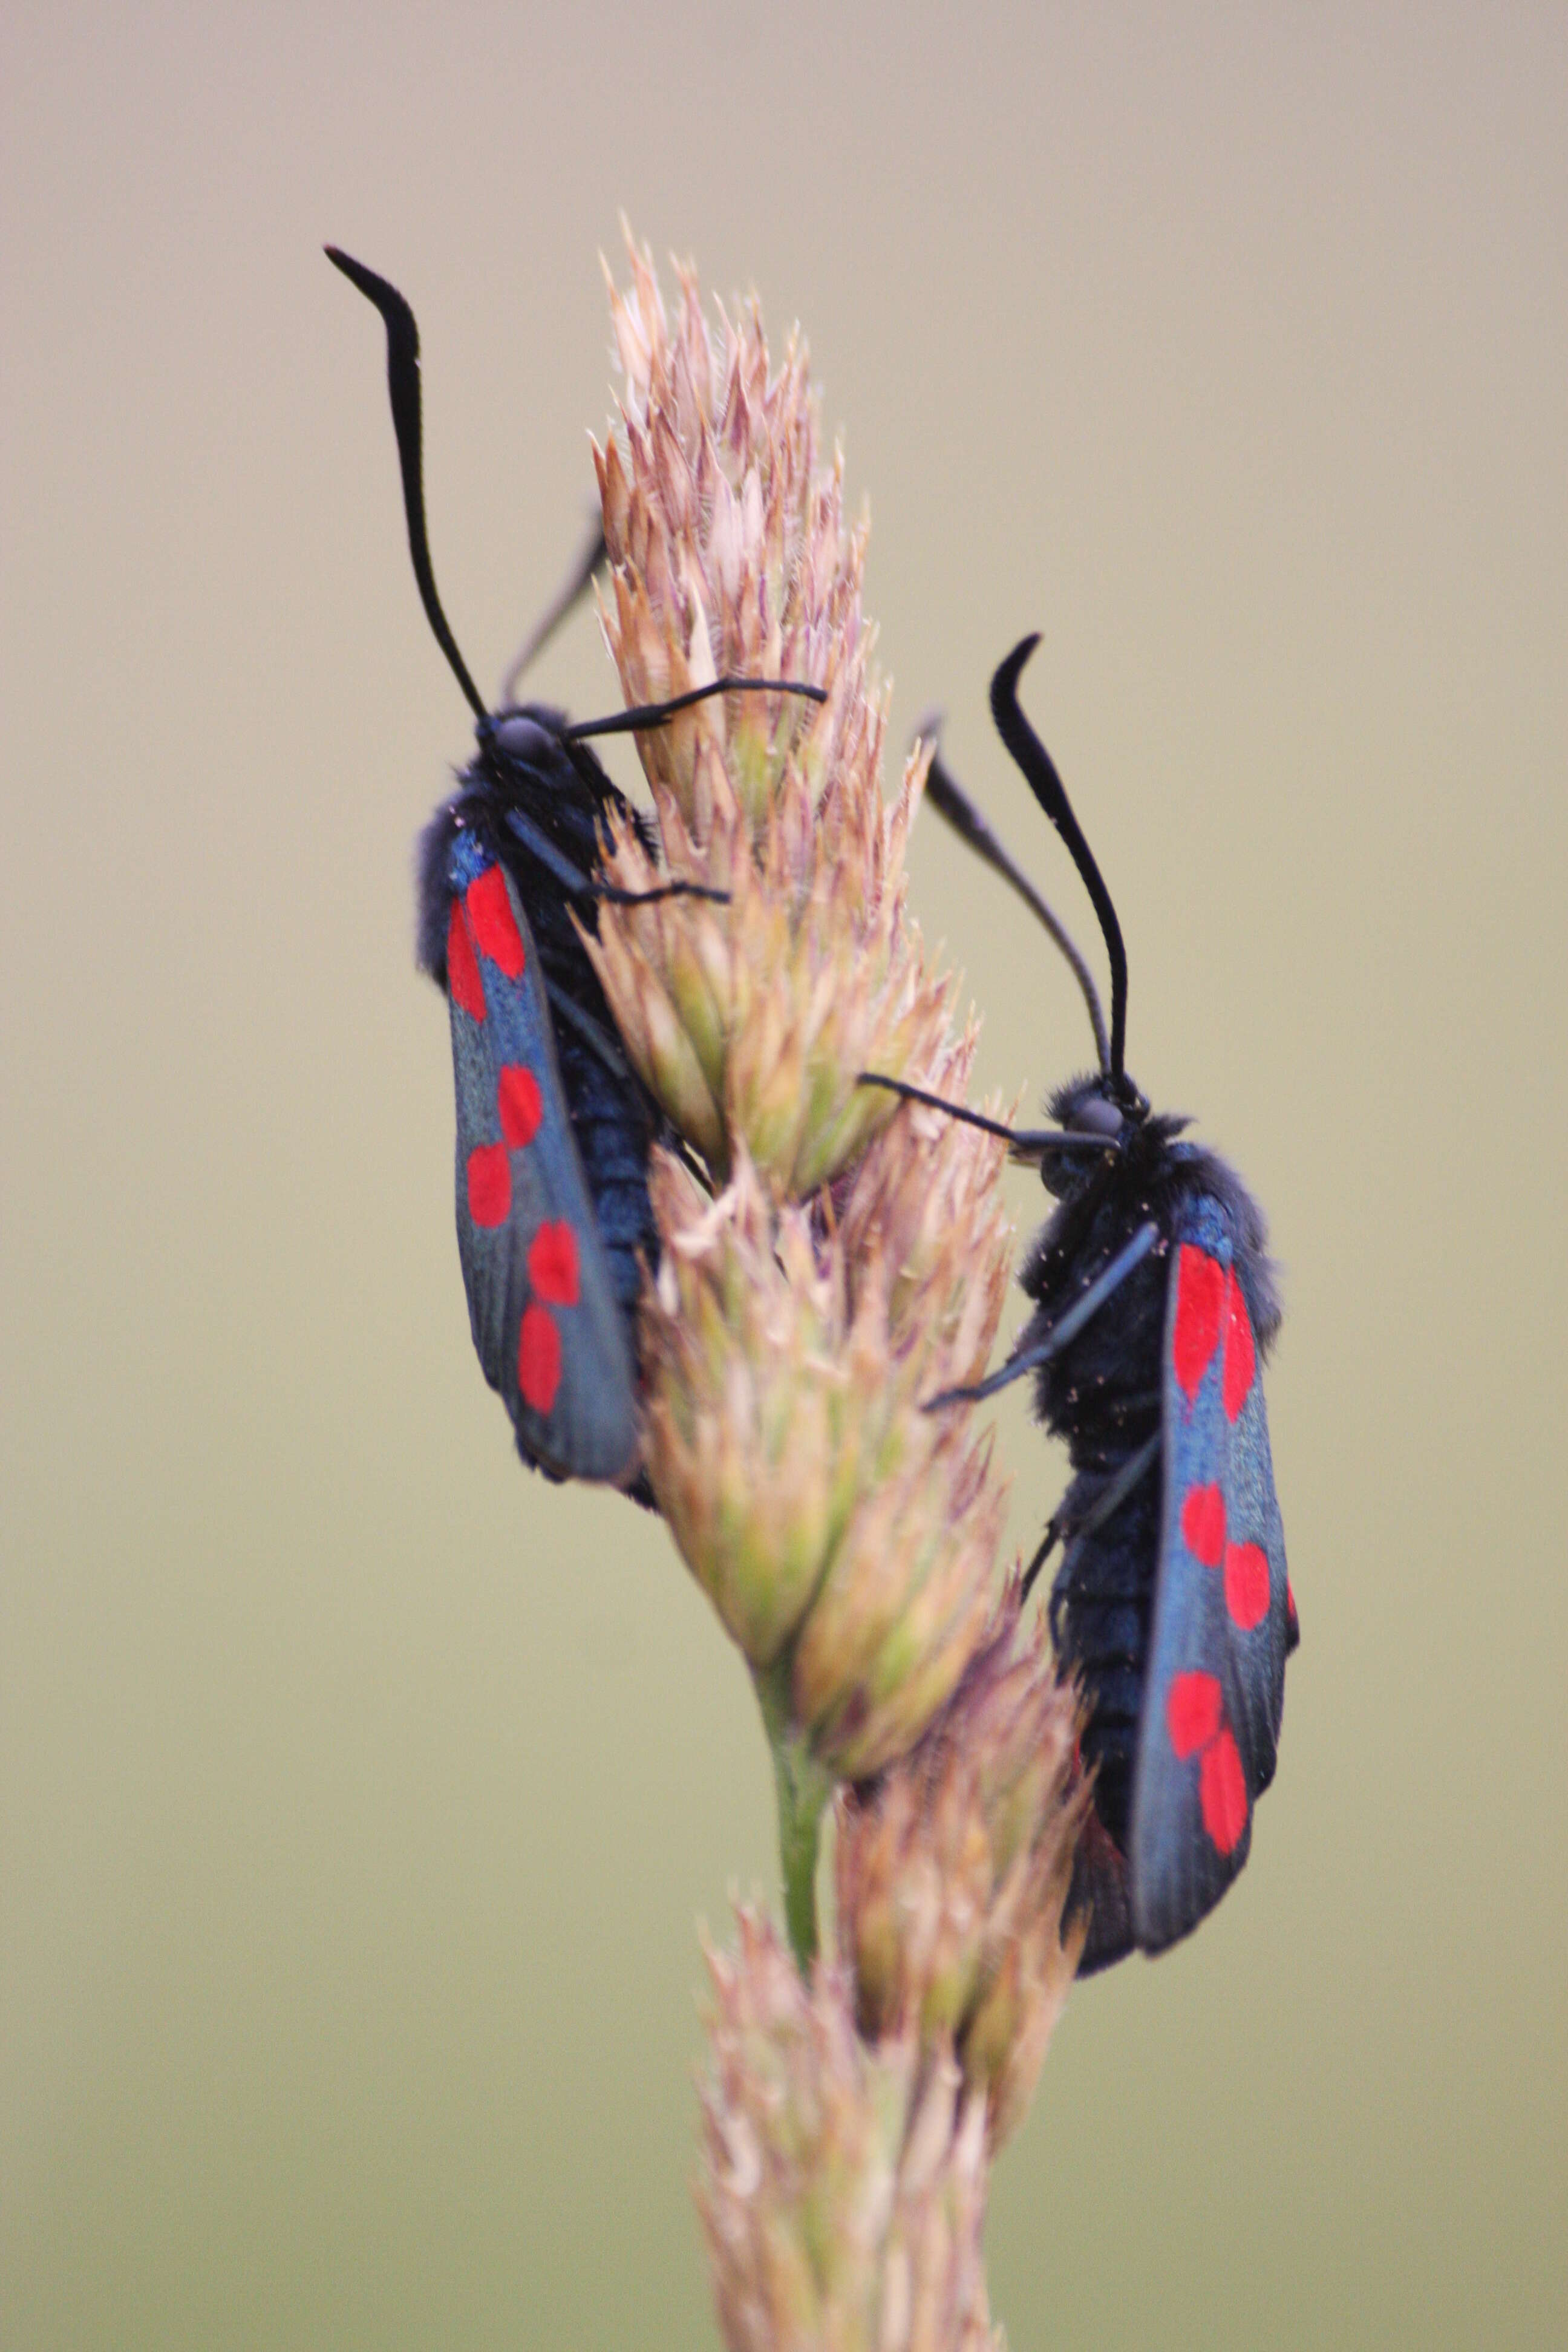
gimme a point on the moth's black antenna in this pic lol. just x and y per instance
(1027, 1143)
(402, 384)
(645, 717)
(1039, 771)
(589, 558)
(950, 800)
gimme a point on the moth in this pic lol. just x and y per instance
(1155, 1306)
(554, 1126)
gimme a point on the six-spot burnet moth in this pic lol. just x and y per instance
(1155, 1299)
(554, 1126)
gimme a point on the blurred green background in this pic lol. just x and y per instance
(361, 1792)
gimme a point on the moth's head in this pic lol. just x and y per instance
(527, 737)
(1101, 1104)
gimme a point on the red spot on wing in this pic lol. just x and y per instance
(1240, 1355)
(538, 1358)
(1222, 1792)
(1246, 1584)
(553, 1264)
(1192, 1712)
(1292, 1622)
(1203, 1524)
(518, 1103)
(1200, 1293)
(489, 1184)
(495, 925)
(463, 982)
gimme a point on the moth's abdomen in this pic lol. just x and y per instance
(614, 1133)
(1102, 1602)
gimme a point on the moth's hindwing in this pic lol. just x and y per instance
(546, 1324)
(1214, 1690)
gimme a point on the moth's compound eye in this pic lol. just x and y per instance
(1095, 1116)
(521, 739)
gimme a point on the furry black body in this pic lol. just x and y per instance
(529, 782)
(1104, 1395)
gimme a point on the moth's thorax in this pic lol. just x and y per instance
(1148, 1175)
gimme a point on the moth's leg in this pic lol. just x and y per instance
(1066, 1327)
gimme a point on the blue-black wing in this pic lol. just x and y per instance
(548, 1329)
(1223, 1617)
